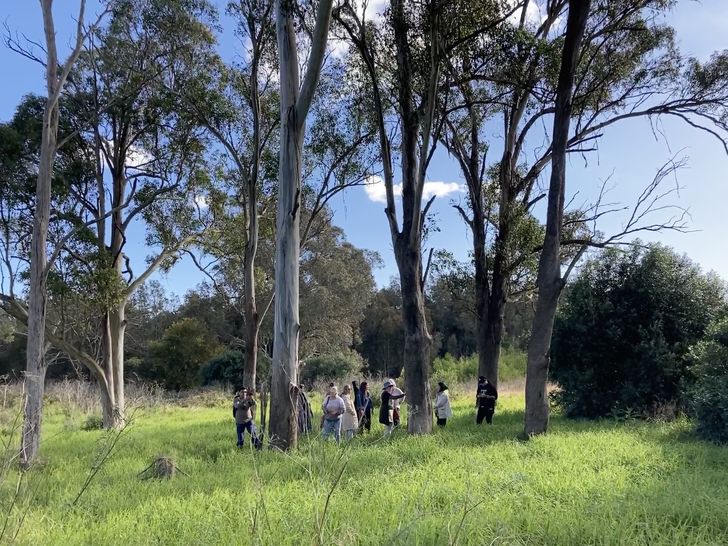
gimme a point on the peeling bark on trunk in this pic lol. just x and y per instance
(283, 430)
(550, 282)
(115, 372)
(108, 402)
(294, 110)
(35, 365)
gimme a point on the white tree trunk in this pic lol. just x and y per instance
(294, 109)
(35, 351)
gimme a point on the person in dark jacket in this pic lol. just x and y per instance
(364, 406)
(485, 398)
(386, 411)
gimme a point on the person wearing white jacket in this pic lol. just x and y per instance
(442, 405)
(349, 421)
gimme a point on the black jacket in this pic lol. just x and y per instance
(384, 409)
(486, 395)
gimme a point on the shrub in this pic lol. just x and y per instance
(176, 359)
(512, 365)
(624, 329)
(455, 370)
(226, 368)
(331, 367)
(709, 393)
(93, 422)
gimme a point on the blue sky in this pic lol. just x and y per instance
(629, 153)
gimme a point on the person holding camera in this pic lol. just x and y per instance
(244, 414)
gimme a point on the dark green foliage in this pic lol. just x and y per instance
(93, 422)
(177, 358)
(624, 329)
(382, 336)
(709, 394)
(225, 368)
(333, 367)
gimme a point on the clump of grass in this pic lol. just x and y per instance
(93, 422)
(162, 468)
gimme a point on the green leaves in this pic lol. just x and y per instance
(622, 335)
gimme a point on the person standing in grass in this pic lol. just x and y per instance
(485, 398)
(397, 396)
(364, 406)
(386, 411)
(333, 408)
(244, 413)
(349, 421)
(443, 411)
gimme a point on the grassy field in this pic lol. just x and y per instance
(583, 483)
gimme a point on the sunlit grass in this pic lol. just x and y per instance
(583, 483)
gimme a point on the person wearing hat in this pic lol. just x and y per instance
(386, 411)
(443, 411)
(485, 398)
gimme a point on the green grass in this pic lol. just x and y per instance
(582, 483)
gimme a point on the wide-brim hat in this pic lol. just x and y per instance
(388, 383)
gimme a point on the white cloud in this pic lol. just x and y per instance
(135, 155)
(338, 47)
(534, 13)
(376, 191)
(374, 9)
(441, 189)
(201, 201)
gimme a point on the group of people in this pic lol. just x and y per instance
(347, 413)
(351, 412)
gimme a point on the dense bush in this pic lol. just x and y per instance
(334, 367)
(225, 368)
(512, 365)
(177, 358)
(709, 393)
(624, 328)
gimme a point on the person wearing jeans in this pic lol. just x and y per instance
(243, 408)
(333, 408)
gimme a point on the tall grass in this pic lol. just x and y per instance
(582, 483)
